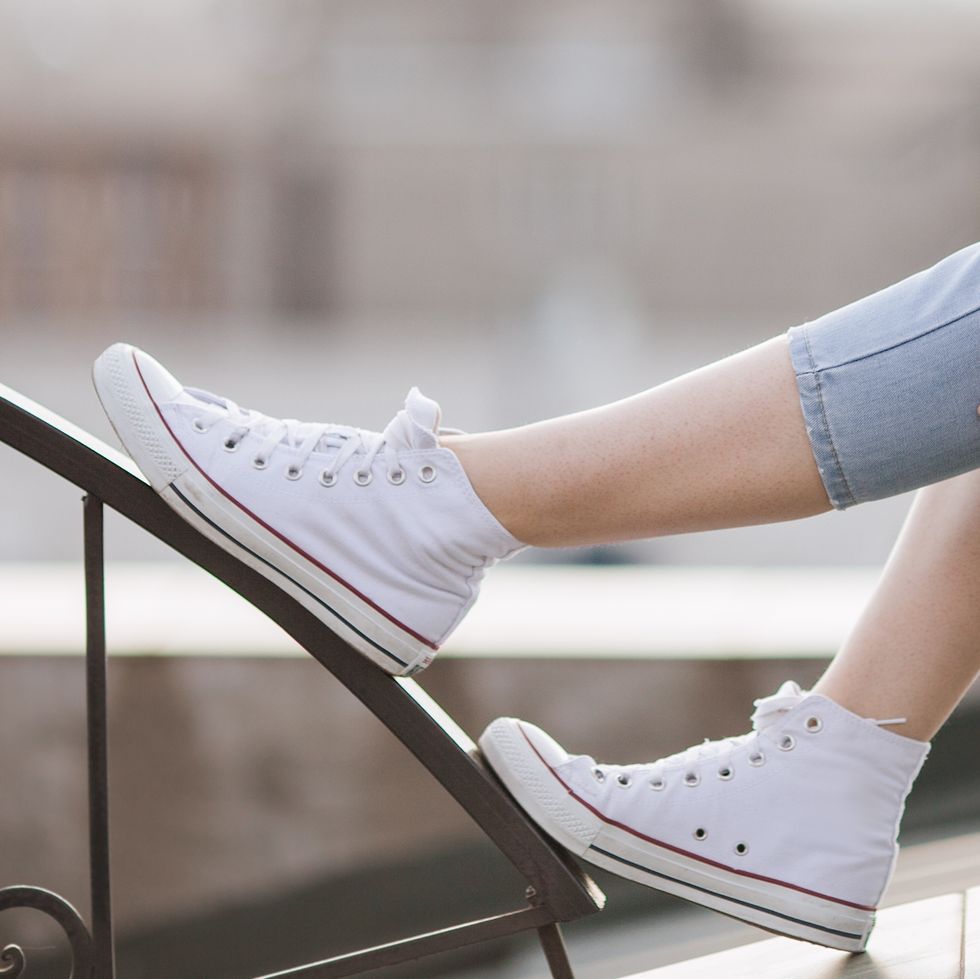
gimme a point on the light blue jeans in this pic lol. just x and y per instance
(890, 385)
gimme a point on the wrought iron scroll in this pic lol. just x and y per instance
(12, 959)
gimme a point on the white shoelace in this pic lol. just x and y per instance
(768, 711)
(304, 438)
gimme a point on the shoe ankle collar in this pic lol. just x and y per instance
(842, 723)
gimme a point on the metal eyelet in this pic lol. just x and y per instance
(260, 463)
(624, 781)
(658, 784)
(363, 477)
(741, 849)
(199, 426)
(427, 474)
(700, 833)
(230, 445)
(598, 774)
(757, 758)
(813, 724)
(396, 477)
(726, 774)
(293, 472)
(787, 742)
(692, 779)
(328, 479)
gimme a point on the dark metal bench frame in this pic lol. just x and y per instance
(557, 889)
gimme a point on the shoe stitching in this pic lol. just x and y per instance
(815, 374)
(726, 897)
(350, 625)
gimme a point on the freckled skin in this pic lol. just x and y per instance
(723, 446)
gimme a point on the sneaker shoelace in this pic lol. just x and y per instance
(305, 438)
(768, 711)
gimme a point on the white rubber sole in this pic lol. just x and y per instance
(134, 416)
(775, 907)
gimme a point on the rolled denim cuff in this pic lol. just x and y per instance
(889, 385)
(817, 424)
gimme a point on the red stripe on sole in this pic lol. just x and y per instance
(686, 853)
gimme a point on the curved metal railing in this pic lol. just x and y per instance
(557, 890)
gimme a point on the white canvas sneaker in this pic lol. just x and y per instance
(380, 535)
(792, 827)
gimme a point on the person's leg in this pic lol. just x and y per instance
(916, 648)
(889, 388)
(723, 446)
(792, 827)
(386, 535)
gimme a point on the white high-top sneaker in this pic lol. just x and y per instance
(380, 535)
(792, 827)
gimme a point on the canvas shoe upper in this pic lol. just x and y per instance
(380, 534)
(792, 827)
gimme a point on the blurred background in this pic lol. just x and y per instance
(525, 209)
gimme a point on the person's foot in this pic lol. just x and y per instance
(791, 827)
(378, 534)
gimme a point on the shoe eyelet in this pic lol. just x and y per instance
(692, 779)
(396, 477)
(427, 474)
(813, 724)
(757, 759)
(787, 742)
(658, 784)
(726, 774)
(260, 463)
(700, 833)
(363, 477)
(624, 781)
(741, 849)
(328, 479)
(230, 445)
(294, 472)
(199, 426)
(598, 774)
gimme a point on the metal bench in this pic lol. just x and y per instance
(557, 890)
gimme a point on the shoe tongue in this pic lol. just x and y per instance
(790, 689)
(769, 710)
(417, 426)
(423, 411)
